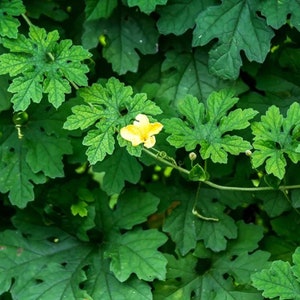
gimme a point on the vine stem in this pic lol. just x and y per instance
(217, 186)
(26, 19)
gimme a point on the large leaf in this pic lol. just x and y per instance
(50, 264)
(31, 151)
(95, 9)
(225, 275)
(274, 138)
(110, 108)
(186, 229)
(135, 252)
(180, 15)
(186, 73)
(41, 56)
(280, 280)
(102, 284)
(126, 33)
(208, 127)
(244, 30)
(134, 207)
(118, 168)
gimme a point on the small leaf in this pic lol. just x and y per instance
(8, 24)
(79, 209)
(102, 284)
(276, 13)
(197, 173)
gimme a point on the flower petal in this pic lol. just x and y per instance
(132, 134)
(150, 142)
(154, 128)
(141, 120)
(141, 131)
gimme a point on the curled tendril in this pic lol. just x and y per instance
(164, 155)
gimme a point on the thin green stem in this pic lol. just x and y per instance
(217, 186)
(166, 162)
(195, 211)
(250, 189)
(26, 20)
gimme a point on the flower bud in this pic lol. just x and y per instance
(192, 156)
(248, 152)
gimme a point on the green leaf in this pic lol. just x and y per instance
(45, 153)
(280, 280)
(79, 209)
(118, 168)
(83, 117)
(187, 73)
(186, 229)
(179, 15)
(110, 108)
(275, 137)
(95, 9)
(100, 144)
(16, 176)
(135, 252)
(8, 10)
(33, 153)
(213, 276)
(42, 65)
(133, 208)
(183, 268)
(197, 173)
(25, 89)
(244, 31)
(36, 9)
(4, 94)
(37, 259)
(146, 6)
(102, 284)
(276, 13)
(128, 34)
(208, 128)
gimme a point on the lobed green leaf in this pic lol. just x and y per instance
(274, 138)
(244, 30)
(8, 23)
(135, 252)
(208, 126)
(43, 66)
(280, 280)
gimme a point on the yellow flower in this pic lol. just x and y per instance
(141, 131)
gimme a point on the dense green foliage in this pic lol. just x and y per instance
(211, 211)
